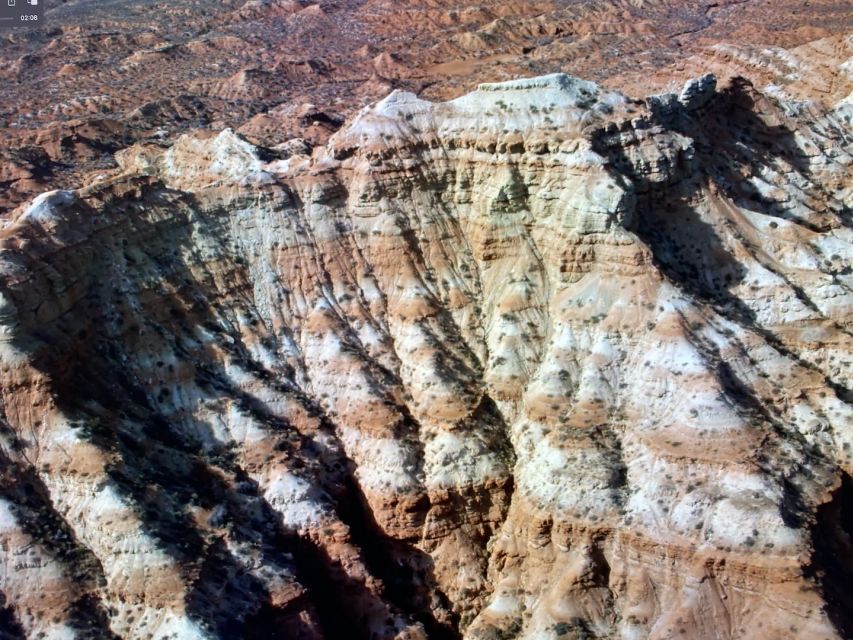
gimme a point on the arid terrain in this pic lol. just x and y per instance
(101, 76)
(439, 320)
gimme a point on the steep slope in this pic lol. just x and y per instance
(539, 362)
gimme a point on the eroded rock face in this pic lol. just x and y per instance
(95, 78)
(539, 362)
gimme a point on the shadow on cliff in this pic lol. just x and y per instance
(158, 467)
(30, 503)
(94, 356)
(732, 139)
(832, 561)
(10, 626)
(729, 140)
(342, 601)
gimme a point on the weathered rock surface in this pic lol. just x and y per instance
(95, 77)
(538, 362)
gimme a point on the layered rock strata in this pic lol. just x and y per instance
(539, 362)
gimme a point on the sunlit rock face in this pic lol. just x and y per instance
(539, 362)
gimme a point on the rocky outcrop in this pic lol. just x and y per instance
(95, 79)
(698, 91)
(538, 362)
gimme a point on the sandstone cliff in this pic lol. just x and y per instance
(543, 361)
